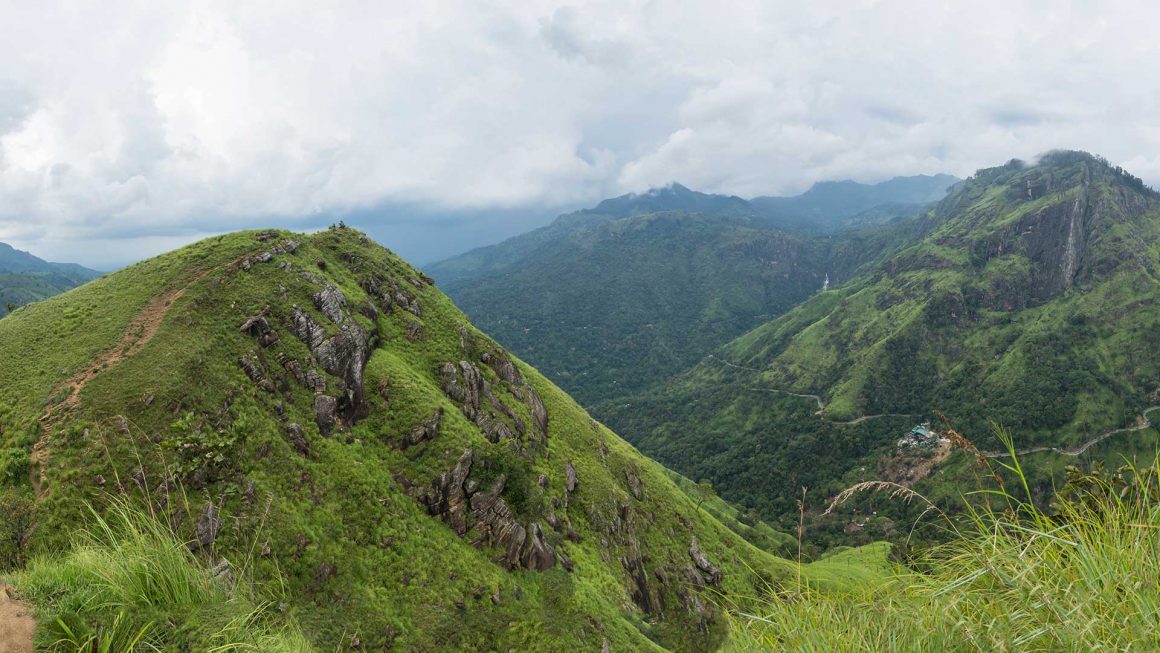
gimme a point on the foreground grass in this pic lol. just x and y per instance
(129, 584)
(1013, 579)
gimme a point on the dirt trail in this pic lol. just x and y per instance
(137, 334)
(16, 624)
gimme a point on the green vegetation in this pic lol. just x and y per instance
(1013, 577)
(1028, 299)
(143, 381)
(128, 584)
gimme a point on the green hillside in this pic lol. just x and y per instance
(25, 278)
(1031, 302)
(312, 411)
(610, 307)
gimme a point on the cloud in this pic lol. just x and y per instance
(160, 121)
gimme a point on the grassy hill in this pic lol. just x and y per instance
(25, 278)
(312, 411)
(1030, 301)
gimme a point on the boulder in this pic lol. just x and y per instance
(325, 413)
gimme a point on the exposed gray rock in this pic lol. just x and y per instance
(287, 246)
(570, 480)
(425, 431)
(634, 484)
(503, 366)
(308, 330)
(331, 302)
(208, 525)
(712, 573)
(315, 381)
(447, 497)
(325, 413)
(539, 414)
(538, 555)
(252, 369)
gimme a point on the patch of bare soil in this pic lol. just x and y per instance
(16, 625)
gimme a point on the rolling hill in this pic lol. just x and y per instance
(313, 409)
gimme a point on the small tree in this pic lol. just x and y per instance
(704, 492)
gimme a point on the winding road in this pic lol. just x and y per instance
(1066, 451)
(1079, 450)
(821, 403)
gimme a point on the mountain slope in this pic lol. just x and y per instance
(1030, 302)
(609, 309)
(25, 278)
(313, 400)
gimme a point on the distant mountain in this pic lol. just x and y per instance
(829, 205)
(673, 197)
(1032, 300)
(25, 278)
(609, 300)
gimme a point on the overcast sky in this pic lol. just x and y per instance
(127, 128)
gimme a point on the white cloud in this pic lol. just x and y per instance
(153, 119)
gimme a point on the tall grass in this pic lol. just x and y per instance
(129, 584)
(1085, 577)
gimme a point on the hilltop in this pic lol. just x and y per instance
(316, 404)
(1030, 301)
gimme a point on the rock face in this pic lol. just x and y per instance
(331, 302)
(344, 355)
(466, 385)
(710, 572)
(450, 496)
(325, 413)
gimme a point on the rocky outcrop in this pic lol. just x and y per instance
(570, 478)
(447, 496)
(332, 303)
(425, 431)
(634, 484)
(709, 572)
(456, 499)
(207, 526)
(344, 355)
(503, 367)
(539, 415)
(465, 384)
(259, 327)
(325, 413)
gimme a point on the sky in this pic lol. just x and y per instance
(129, 128)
